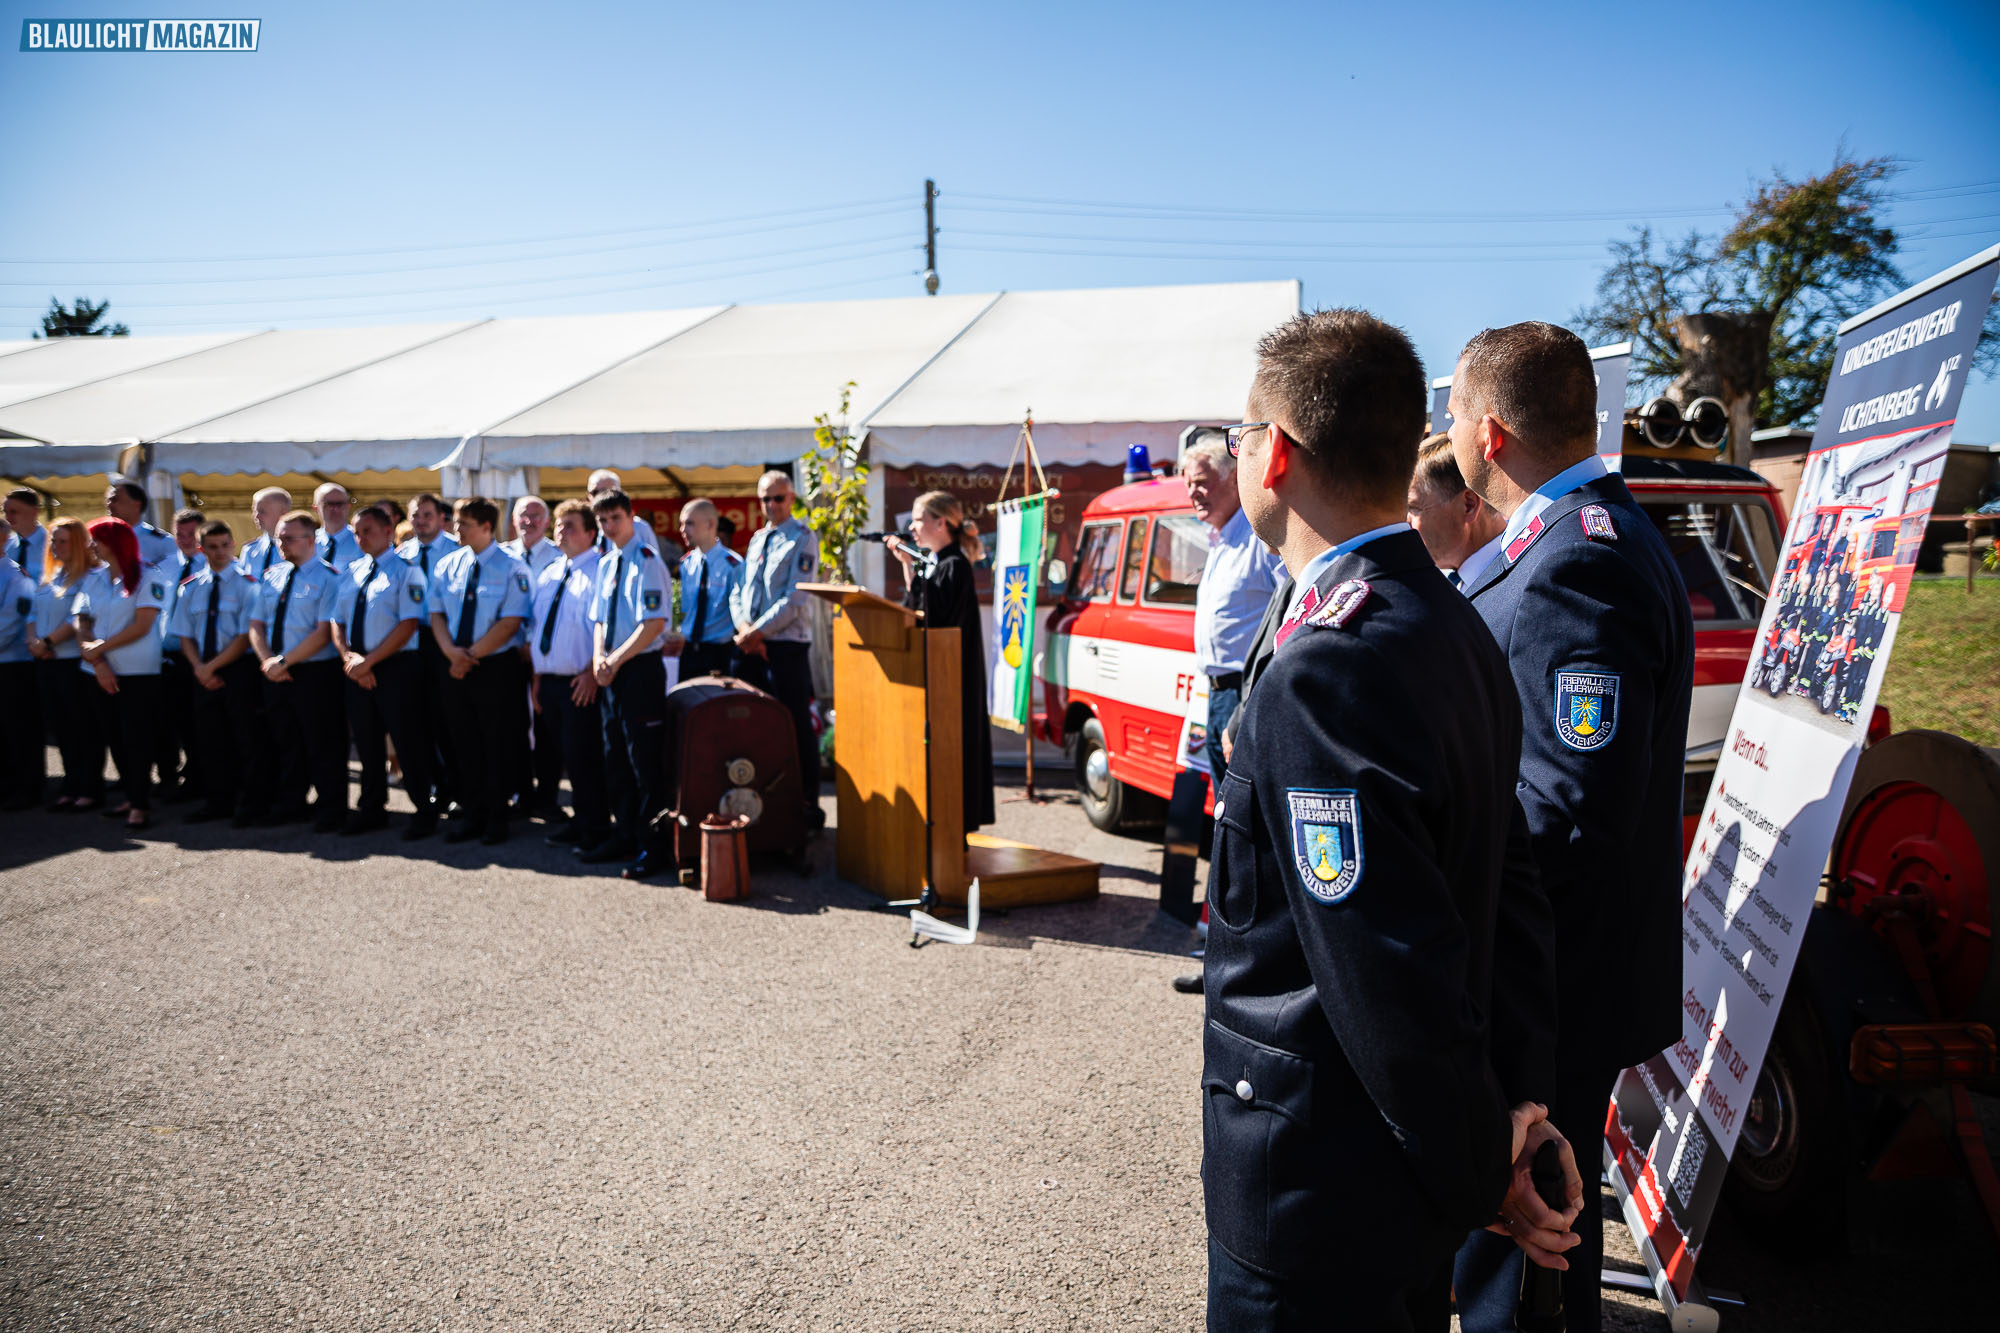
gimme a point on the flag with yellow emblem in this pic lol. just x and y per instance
(1017, 566)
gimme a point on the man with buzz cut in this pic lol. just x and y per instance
(125, 500)
(337, 544)
(260, 553)
(479, 600)
(293, 641)
(212, 624)
(629, 614)
(710, 573)
(1586, 601)
(1359, 1112)
(379, 611)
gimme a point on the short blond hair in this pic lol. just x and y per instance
(270, 492)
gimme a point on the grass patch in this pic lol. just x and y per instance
(1945, 674)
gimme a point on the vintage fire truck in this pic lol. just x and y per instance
(1890, 1014)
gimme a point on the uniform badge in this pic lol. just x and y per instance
(1586, 708)
(159, 589)
(806, 561)
(1340, 604)
(416, 593)
(521, 582)
(1597, 524)
(651, 600)
(1326, 842)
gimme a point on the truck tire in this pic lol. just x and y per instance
(1785, 1178)
(1109, 804)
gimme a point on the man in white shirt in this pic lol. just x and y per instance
(1235, 588)
(560, 642)
(541, 759)
(1460, 530)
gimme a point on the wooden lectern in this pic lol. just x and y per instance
(901, 803)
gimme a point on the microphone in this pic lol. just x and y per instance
(1540, 1308)
(879, 536)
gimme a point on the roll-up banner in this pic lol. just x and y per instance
(1611, 364)
(1816, 667)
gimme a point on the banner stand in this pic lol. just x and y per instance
(1025, 724)
(1697, 1312)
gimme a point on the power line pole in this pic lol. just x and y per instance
(930, 237)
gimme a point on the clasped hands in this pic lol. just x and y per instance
(1542, 1232)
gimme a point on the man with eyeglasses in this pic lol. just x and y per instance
(1359, 1114)
(1460, 530)
(293, 642)
(773, 628)
(337, 543)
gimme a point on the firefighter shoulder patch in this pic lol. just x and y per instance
(521, 582)
(1340, 604)
(1597, 523)
(1326, 842)
(1586, 713)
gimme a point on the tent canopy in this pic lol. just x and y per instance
(938, 380)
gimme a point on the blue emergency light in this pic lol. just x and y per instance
(1138, 463)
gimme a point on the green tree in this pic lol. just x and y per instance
(78, 321)
(833, 487)
(1750, 316)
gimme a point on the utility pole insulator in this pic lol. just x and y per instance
(930, 238)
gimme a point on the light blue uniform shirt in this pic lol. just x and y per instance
(504, 591)
(111, 609)
(339, 549)
(725, 576)
(1317, 565)
(780, 558)
(155, 547)
(631, 587)
(231, 595)
(17, 614)
(1550, 491)
(544, 554)
(641, 525)
(177, 569)
(564, 648)
(313, 585)
(55, 604)
(1229, 602)
(260, 556)
(26, 551)
(394, 591)
(425, 555)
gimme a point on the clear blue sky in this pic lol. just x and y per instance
(1448, 167)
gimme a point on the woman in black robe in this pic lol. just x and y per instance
(949, 599)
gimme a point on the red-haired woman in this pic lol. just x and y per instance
(67, 699)
(115, 614)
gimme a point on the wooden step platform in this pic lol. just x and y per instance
(1013, 874)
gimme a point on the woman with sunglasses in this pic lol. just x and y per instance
(115, 613)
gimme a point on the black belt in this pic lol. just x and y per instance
(1227, 680)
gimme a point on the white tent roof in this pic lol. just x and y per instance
(741, 388)
(938, 380)
(411, 410)
(1101, 369)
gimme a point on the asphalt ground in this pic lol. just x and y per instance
(270, 1079)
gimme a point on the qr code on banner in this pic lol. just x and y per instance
(1687, 1162)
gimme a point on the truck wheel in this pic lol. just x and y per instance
(1785, 1177)
(1108, 803)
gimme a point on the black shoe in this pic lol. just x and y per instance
(647, 866)
(364, 823)
(1189, 983)
(462, 830)
(494, 835)
(606, 853)
(207, 814)
(569, 835)
(420, 827)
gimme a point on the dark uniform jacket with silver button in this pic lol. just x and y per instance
(1351, 1109)
(1594, 602)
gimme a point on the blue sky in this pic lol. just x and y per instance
(1448, 167)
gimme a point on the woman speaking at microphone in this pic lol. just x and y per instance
(947, 595)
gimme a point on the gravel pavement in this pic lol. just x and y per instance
(268, 1079)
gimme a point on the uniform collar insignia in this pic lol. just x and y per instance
(1520, 544)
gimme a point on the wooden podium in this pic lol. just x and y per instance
(899, 767)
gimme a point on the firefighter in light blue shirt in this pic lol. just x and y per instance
(705, 633)
(380, 611)
(23, 769)
(27, 539)
(430, 520)
(211, 628)
(259, 556)
(126, 501)
(336, 543)
(290, 632)
(630, 613)
(479, 600)
(773, 633)
(532, 546)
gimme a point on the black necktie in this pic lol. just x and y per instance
(424, 558)
(208, 634)
(187, 567)
(269, 547)
(611, 618)
(354, 634)
(700, 603)
(555, 608)
(21, 553)
(469, 609)
(278, 621)
(1456, 581)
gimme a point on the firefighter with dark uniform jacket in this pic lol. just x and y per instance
(1587, 604)
(1355, 1111)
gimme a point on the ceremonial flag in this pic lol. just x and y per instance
(1017, 573)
